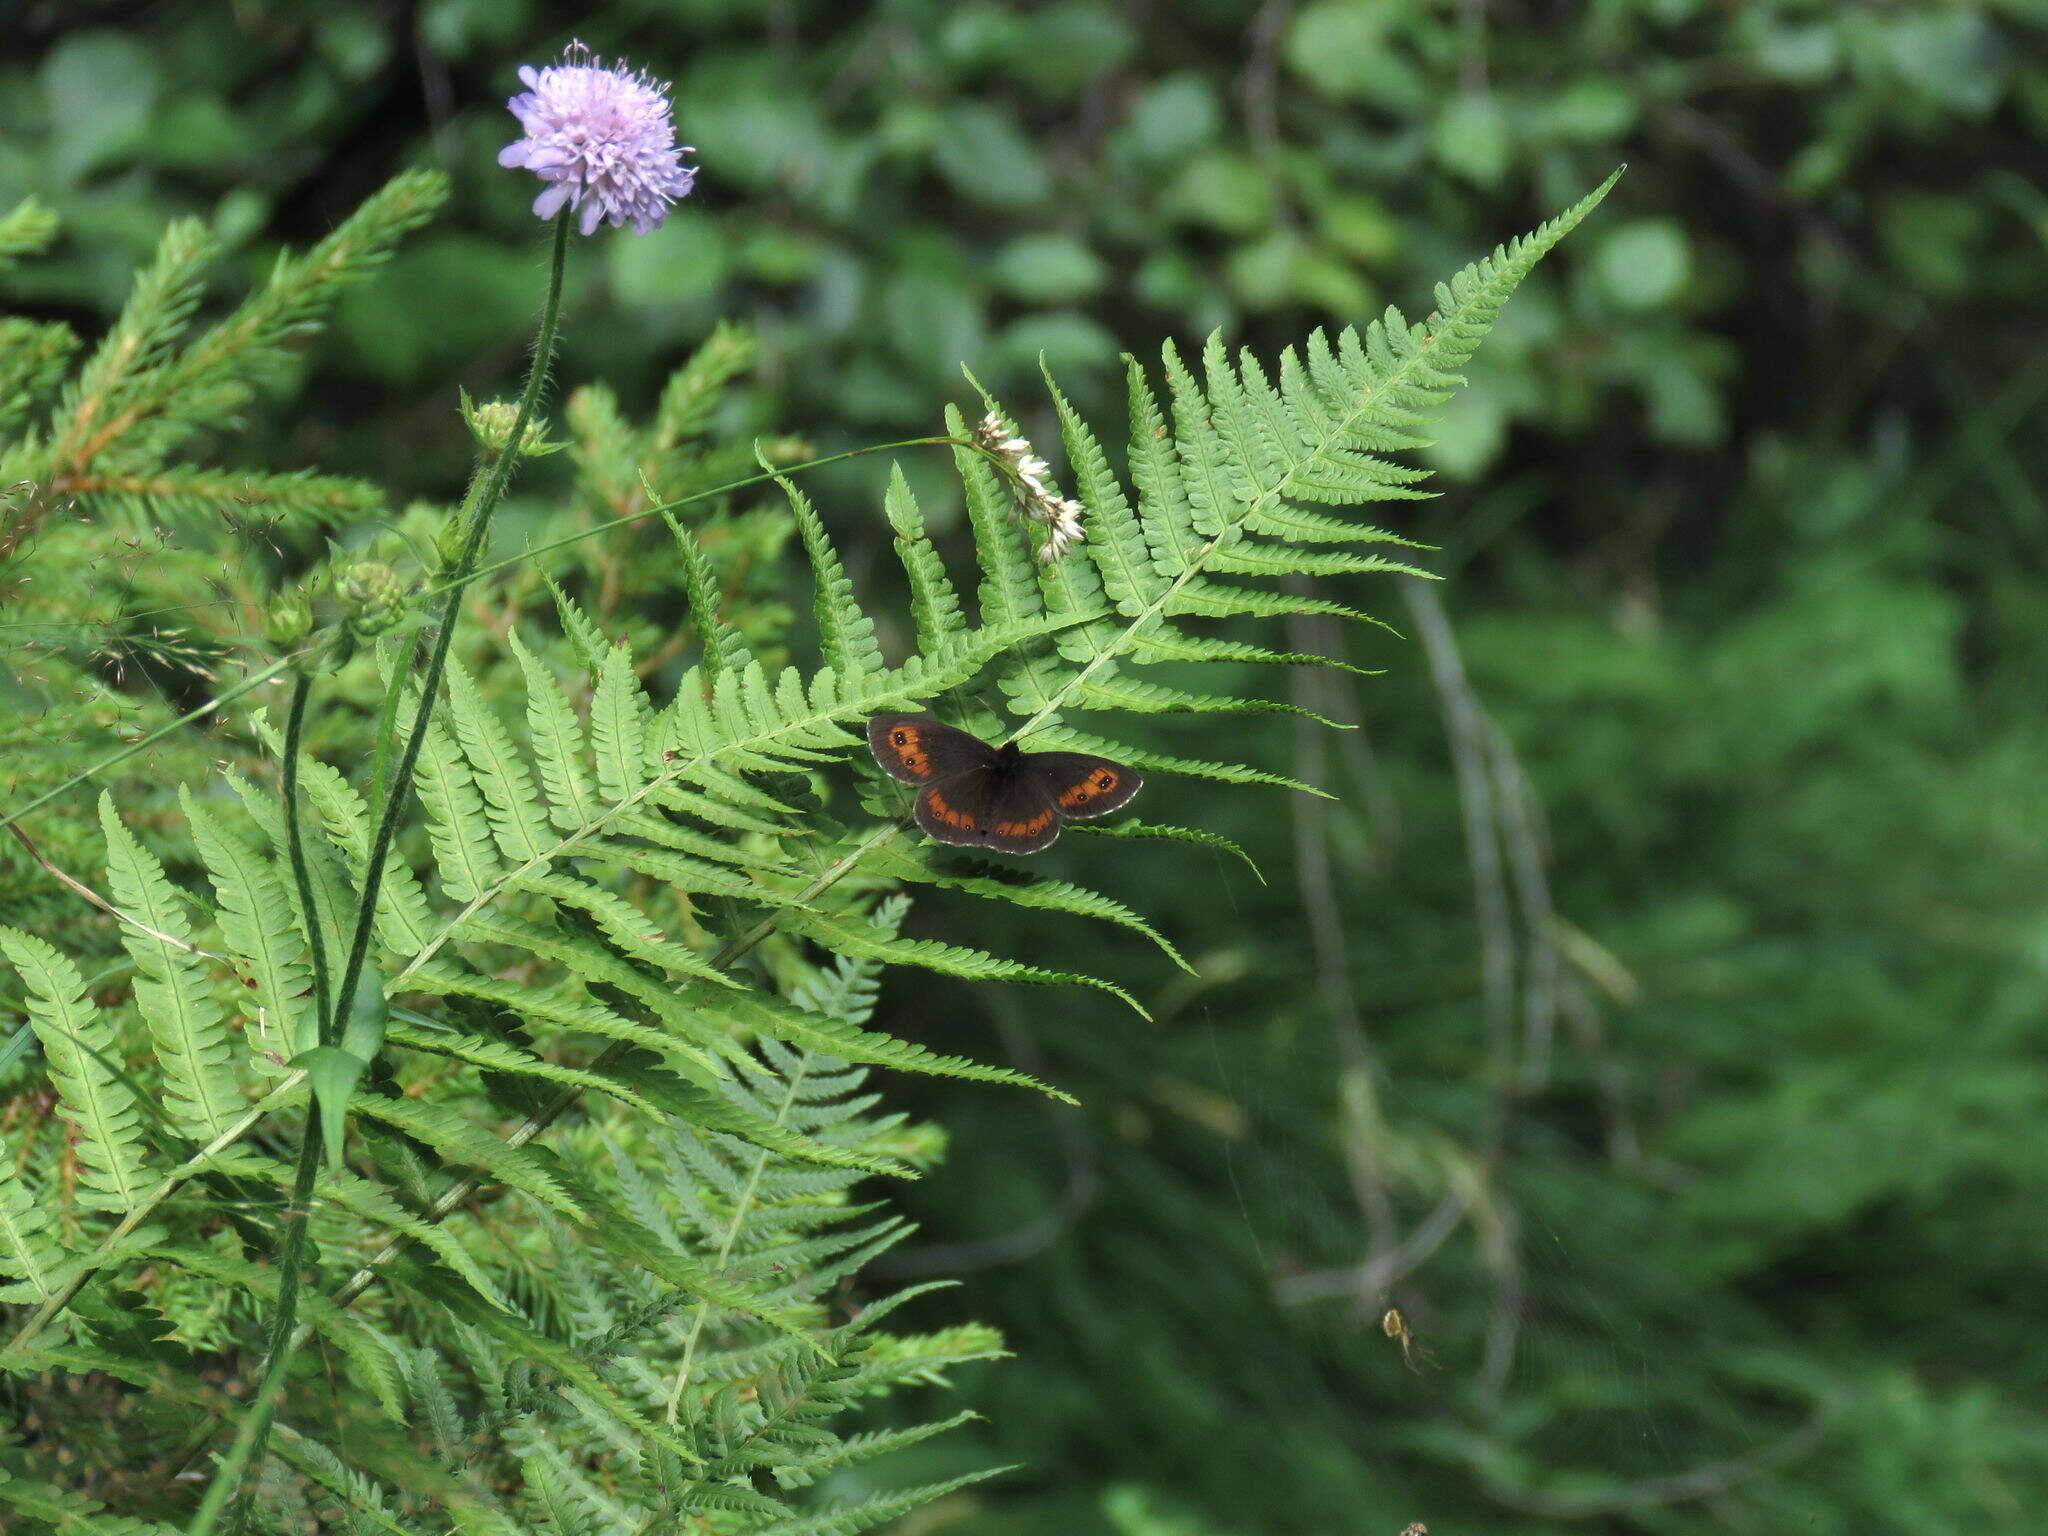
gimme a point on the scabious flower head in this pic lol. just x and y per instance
(1037, 500)
(601, 138)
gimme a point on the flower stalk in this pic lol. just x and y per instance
(252, 1436)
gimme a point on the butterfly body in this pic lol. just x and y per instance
(974, 795)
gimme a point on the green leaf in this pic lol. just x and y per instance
(987, 159)
(83, 1052)
(172, 990)
(332, 1073)
(362, 1031)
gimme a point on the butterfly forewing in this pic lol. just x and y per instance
(1083, 786)
(920, 750)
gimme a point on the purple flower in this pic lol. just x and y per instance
(602, 140)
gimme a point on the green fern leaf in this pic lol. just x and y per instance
(465, 849)
(172, 991)
(1149, 832)
(84, 1053)
(1019, 887)
(818, 1032)
(724, 650)
(618, 726)
(520, 1168)
(510, 798)
(846, 635)
(878, 1509)
(1067, 740)
(934, 605)
(849, 936)
(558, 742)
(255, 914)
(28, 1250)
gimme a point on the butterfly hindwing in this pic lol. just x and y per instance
(920, 750)
(1082, 785)
(952, 812)
(1021, 817)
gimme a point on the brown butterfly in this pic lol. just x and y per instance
(979, 796)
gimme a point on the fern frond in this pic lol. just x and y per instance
(459, 1142)
(829, 1036)
(172, 991)
(84, 1052)
(1216, 492)
(846, 635)
(28, 1251)
(1000, 882)
(510, 798)
(465, 847)
(848, 935)
(1152, 832)
(255, 915)
(558, 742)
(859, 1515)
(934, 605)
(724, 650)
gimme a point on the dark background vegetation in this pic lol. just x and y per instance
(1657, 1018)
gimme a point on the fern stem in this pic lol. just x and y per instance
(387, 720)
(295, 842)
(286, 1334)
(742, 1207)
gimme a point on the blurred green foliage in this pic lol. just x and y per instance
(1748, 610)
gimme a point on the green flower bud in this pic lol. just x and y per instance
(289, 620)
(372, 598)
(491, 425)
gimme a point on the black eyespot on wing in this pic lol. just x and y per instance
(920, 750)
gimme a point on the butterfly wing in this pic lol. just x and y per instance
(1081, 785)
(953, 811)
(920, 750)
(1020, 818)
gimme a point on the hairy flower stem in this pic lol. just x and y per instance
(292, 1250)
(295, 841)
(285, 1335)
(482, 502)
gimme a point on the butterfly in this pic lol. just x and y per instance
(979, 796)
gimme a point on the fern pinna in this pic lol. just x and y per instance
(653, 914)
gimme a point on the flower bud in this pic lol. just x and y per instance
(491, 422)
(289, 620)
(372, 598)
